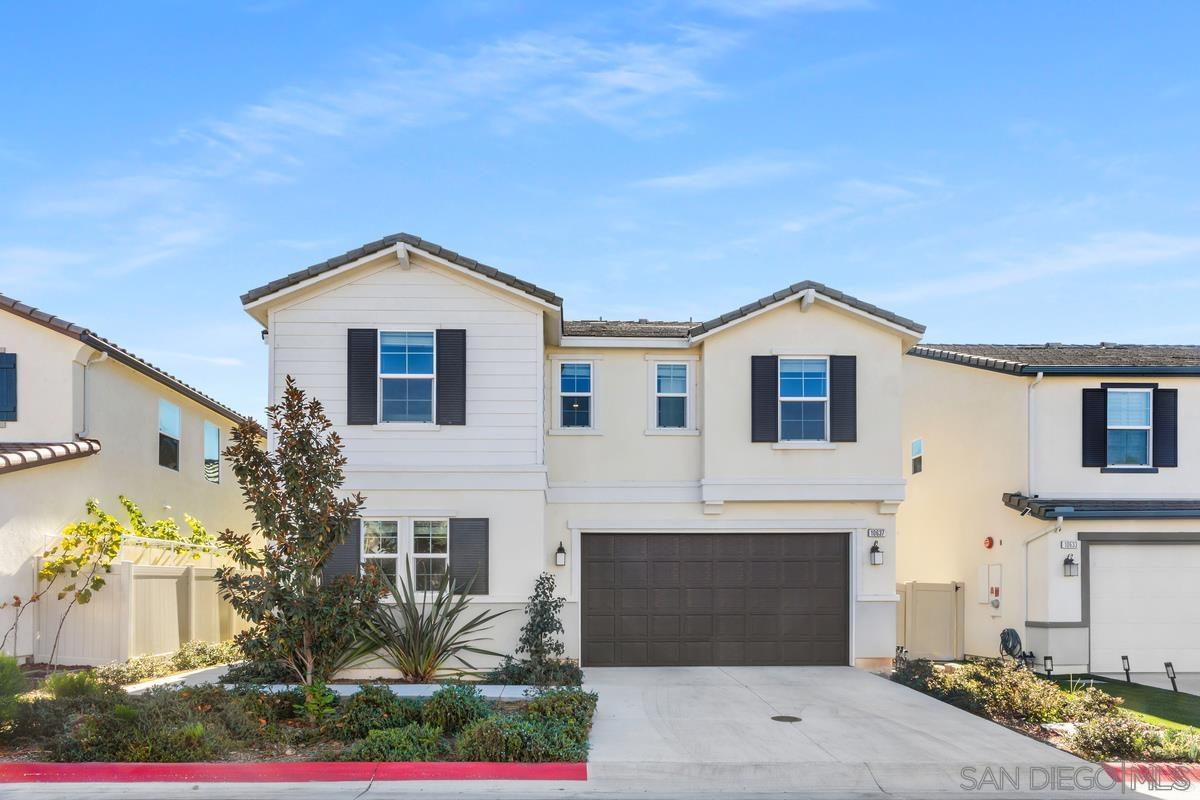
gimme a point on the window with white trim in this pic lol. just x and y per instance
(918, 456)
(1130, 427)
(168, 435)
(406, 376)
(803, 399)
(431, 553)
(575, 393)
(381, 545)
(671, 395)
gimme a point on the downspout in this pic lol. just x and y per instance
(1031, 435)
(1055, 528)
(97, 357)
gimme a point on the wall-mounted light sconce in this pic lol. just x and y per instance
(1125, 666)
(876, 555)
(560, 556)
(1070, 566)
(1170, 668)
(1048, 665)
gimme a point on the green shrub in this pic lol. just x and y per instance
(63, 685)
(549, 672)
(373, 707)
(259, 672)
(452, 708)
(12, 683)
(516, 738)
(1118, 737)
(571, 709)
(411, 742)
(916, 674)
(995, 689)
(1081, 705)
(135, 670)
(198, 654)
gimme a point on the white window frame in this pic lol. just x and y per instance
(406, 531)
(178, 469)
(1149, 429)
(652, 364)
(364, 557)
(432, 423)
(918, 444)
(204, 455)
(780, 400)
(557, 428)
(412, 547)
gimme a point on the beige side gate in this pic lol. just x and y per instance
(929, 620)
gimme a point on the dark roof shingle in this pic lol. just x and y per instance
(1102, 508)
(390, 241)
(1054, 357)
(116, 352)
(654, 329)
(23, 455)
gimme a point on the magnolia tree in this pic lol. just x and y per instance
(311, 627)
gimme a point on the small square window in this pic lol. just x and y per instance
(1130, 426)
(670, 396)
(575, 391)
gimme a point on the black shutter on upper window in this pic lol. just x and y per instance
(764, 398)
(8, 387)
(347, 556)
(469, 554)
(843, 398)
(1166, 428)
(451, 377)
(362, 376)
(1095, 427)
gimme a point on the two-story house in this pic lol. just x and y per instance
(80, 418)
(1060, 484)
(713, 493)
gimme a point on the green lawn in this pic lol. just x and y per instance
(1157, 706)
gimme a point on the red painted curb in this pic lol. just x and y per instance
(281, 771)
(1160, 772)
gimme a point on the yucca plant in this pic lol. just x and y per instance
(419, 636)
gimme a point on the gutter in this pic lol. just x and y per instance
(1031, 432)
(1055, 528)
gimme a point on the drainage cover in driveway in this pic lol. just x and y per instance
(786, 718)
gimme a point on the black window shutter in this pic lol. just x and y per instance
(1095, 428)
(843, 398)
(347, 556)
(362, 376)
(1166, 428)
(764, 398)
(451, 377)
(8, 387)
(469, 554)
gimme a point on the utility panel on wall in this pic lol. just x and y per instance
(989, 586)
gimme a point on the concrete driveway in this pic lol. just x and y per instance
(711, 729)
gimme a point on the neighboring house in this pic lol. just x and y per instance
(704, 493)
(81, 417)
(1024, 457)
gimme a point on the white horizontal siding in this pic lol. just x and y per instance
(503, 352)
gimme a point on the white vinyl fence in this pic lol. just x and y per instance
(154, 600)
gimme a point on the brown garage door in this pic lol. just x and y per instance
(715, 599)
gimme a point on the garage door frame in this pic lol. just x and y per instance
(1102, 538)
(854, 556)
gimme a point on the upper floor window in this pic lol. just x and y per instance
(1130, 430)
(406, 376)
(918, 456)
(803, 399)
(212, 453)
(168, 435)
(8, 387)
(671, 395)
(575, 391)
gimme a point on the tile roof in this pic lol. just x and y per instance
(116, 352)
(22, 455)
(1102, 508)
(797, 288)
(640, 328)
(1064, 358)
(390, 241)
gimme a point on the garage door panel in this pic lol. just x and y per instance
(696, 599)
(1144, 602)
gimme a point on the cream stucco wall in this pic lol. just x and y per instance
(122, 412)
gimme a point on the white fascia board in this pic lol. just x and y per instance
(472, 274)
(250, 307)
(639, 342)
(828, 490)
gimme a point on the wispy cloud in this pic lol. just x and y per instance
(860, 192)
(767, 8)
(1102, 251)
(175, 355)
(730, 174)
(29, 268)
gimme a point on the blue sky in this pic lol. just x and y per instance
(998, 171)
